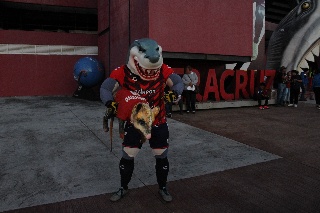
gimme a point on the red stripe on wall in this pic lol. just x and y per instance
(47, 38)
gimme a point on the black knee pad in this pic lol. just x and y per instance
(126, 169)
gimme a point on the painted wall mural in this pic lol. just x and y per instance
(295, 42)
(258, 42)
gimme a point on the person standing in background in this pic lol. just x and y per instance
(295, 85)
(316, 88)
(280, 79)
(304, 85)
(262, 94)
(287, 96)
(190, 79)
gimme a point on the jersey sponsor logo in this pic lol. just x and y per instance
(135, 96)
(145, 92)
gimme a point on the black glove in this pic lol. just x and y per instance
(111, 110)
(170, 97)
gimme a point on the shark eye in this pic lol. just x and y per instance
(157, 48)
(305, 6)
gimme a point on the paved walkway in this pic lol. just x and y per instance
(55, 157)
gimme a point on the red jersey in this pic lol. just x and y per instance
(152, 91)
(126, 101)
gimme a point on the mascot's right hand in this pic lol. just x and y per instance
(111, 110)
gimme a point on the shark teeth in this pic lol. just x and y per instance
(309, 57)
(316, 51)
(148, 74)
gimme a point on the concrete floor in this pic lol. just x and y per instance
(54, 149)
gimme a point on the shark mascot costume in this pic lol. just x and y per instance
(145, 74)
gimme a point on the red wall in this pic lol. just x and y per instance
(104, 34)
(139, 19)
(119, 32)
(206, 26)
(103, 16)
(177, 25)
(128, 21)
(28, 75)
(104, 54)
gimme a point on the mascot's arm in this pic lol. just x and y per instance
(175, 83)
(111, 85)
(107, 88)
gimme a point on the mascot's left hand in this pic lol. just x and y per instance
(111, 110)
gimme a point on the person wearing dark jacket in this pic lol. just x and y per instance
(281, 85)
(262, 94)
(316, 88)
(304, 85)
(295, 85)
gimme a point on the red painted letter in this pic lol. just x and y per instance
(241, 86)
(250, 86)
(211, 80)
(270, 77)
(224, 95)
(199, 97)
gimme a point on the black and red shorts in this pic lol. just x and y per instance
(159, 137)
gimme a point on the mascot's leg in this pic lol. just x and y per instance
(162, 170)
(131, 146)
(159, 145)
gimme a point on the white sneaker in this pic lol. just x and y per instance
(295, 105)
(290, 105)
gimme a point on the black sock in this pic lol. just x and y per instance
(126, 169)
(162, 170)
